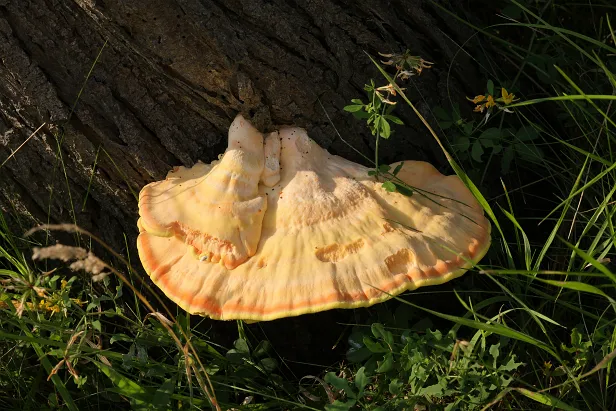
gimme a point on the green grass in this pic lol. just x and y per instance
(533, 327)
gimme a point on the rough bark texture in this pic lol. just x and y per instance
(171, 78)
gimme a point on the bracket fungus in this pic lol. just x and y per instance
(280, 227)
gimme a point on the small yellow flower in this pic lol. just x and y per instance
(389, 88)
(63, 284)
(425, 64)
(507, 97)
(418, 64)
(487, 103)
(40, 291)
(477, 99)
(406, 63)
(490, 102)
(388, 101)
(78, 301)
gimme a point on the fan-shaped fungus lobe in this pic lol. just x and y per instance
(280, 227)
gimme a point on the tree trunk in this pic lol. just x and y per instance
(129, 89)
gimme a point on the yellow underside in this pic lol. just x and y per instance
(409, 286)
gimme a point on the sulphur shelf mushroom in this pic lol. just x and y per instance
(279, 227)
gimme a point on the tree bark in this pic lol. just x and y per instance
(129, 89)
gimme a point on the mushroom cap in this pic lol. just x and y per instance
(280, 227)
(215, 209)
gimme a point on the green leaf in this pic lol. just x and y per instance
(120, 337)
(477, 151)
(435, 390)
(441, 114)
(507, 158)
(494, 352)
(357, 355)
(96, 302)
(340, 384)
(362, 115)
(361, 380)
(387, 364)
(461, 143)
(398, 168)
(238, 354)
(435, 335)
(183, 321)
(263, 348)
(394, 119)
(357, 101)
(96, 324)
(490, 87)
(546, 399)
(468, 128)
(511, 365)
(356, 338)
(340, 406)
(374, 347)
(577, 286)
(384, 168)
(235, 357)
(380, 332)
(53, 400)
(395, 386)
(269, 364)
(385, 128)
(455, 114)
(241, 346)
(162, 396)
(389, 186)
(527, 133)
(124, 385)
(493, 133)
(353, 108)
(119, 292)
(377, 105)
(357, 351)
(57, 353)
(377, 329)
(404, 190)
(486, 143)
